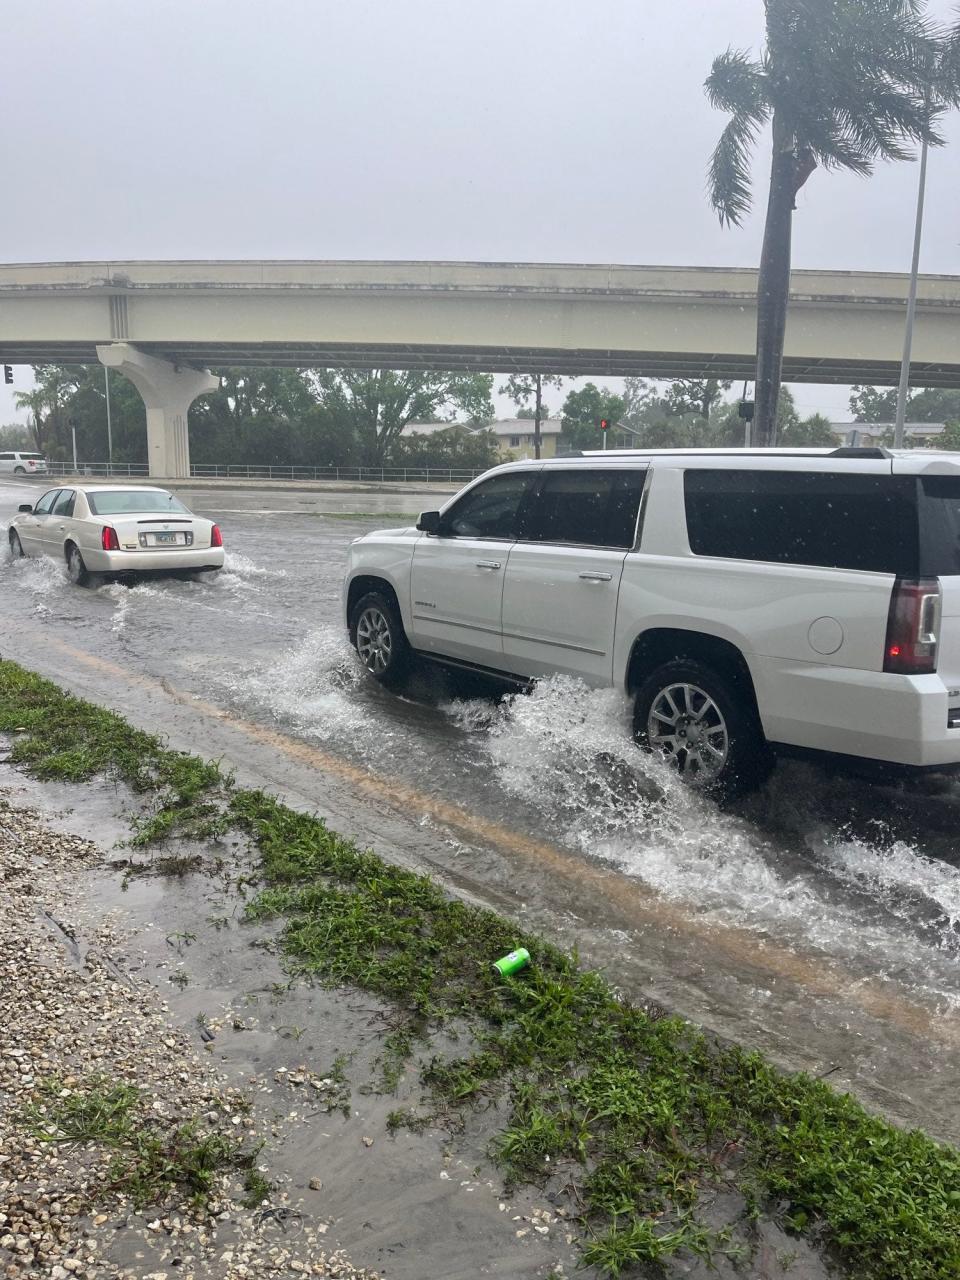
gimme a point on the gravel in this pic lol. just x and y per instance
(72, 1016)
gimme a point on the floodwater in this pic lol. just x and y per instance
(818, 921)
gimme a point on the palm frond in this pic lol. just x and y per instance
(736, 84)
(728, 177)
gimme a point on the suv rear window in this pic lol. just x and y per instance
(939, 526)
(836, 520)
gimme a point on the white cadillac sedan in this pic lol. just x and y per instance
(106, 529)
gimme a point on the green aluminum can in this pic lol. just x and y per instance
(512, 963)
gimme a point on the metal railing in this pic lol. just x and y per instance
(241, 471)
(381, 475)
(125, 470)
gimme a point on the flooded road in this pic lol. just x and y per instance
(819, 921)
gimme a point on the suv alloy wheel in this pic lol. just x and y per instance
(698, 722)
(378, 636)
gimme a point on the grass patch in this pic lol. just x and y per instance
(645, 1116)
(150, 1161)
(66, 739)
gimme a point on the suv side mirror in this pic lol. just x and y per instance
(25, 506)
(429, 522)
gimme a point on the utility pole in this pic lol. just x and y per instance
(898, 430)
(538, 384)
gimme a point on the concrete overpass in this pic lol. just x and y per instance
(162, 323)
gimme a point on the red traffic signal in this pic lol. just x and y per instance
(604, 424)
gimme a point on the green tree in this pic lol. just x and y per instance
(842, 83)
(455, 446)
(522, 387)
(694, 395)
(15, 436)
(377, 404)
(48, 404)
(924, 404)
(582, 411)
(814, 432)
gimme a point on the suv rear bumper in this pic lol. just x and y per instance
(871, 715)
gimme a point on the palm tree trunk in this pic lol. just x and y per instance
(773, 285)
(536, 416)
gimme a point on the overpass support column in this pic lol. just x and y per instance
(168, 392)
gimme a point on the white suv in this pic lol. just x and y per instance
(748, 602)
(17, 463)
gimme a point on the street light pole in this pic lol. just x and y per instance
(106, 385)
(898, 430)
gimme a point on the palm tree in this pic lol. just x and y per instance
(842, 83)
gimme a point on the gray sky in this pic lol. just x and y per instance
(517, 130)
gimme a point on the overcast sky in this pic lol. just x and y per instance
(507, 130)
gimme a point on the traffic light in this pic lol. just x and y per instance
(8, 373)
(604, 424)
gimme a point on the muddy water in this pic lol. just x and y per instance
(819, 921)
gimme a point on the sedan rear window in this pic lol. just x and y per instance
(122, 502)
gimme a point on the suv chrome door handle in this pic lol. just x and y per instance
(488, 564)
(596, 577)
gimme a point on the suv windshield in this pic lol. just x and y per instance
(121, 502)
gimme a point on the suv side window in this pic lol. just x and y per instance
(836, 520)
(592, 508)
(65, 503)
(490, 509)
(46, 502)
(6, 457)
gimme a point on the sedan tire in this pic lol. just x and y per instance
(16, 546)
(77, 571)
(377, 634)
(702, 724)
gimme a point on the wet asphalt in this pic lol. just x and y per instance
(819, 921)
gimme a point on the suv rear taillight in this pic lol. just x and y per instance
(31, 463)
(913, 627)
(216, 537)
(108, 538)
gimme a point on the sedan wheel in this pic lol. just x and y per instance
(76, 568)
(16, 546)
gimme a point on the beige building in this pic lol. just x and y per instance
(515, 437)
(874, 433)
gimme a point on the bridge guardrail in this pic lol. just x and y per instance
(243, 471)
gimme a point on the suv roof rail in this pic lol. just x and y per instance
(858, 451)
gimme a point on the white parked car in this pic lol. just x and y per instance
(749, 603)
(14, 462)
(109, 529)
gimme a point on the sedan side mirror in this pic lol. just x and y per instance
(429, 522)
(25, 506)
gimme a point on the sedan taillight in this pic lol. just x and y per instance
(216, 537)
(108, 538)
(913, 627)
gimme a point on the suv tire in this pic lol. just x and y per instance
(696, 718)
(19, 471)
(377, 634)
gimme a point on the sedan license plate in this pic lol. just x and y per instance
(166, 539)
